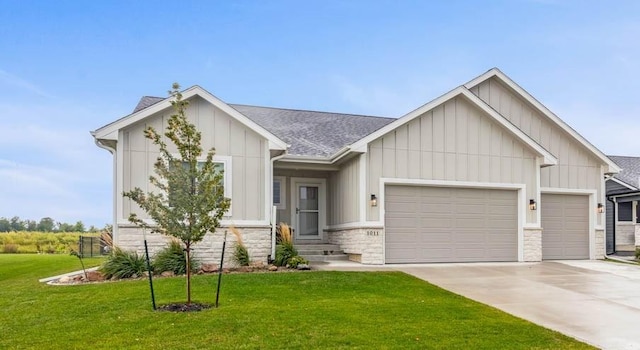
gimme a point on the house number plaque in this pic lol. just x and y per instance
(373, 233)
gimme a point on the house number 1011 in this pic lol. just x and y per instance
(373, 233)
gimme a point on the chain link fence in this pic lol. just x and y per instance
(92, 246)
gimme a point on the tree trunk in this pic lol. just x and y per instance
(187, 253)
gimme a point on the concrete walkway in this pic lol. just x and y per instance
(597, 302)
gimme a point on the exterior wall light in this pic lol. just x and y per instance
(600, 208)
(374, 200)
(532, 204)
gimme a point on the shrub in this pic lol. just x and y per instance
(240, 253)
(10, 248)
(172, 258)
(637, 253)
(123, 264)
(284, 252)
(297, 260)
(284, 249)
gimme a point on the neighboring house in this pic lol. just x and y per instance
(484, 172)
(623, 211)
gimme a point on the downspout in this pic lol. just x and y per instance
(613, 225)
(114, 227)
(273, 224)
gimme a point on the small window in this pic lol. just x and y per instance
(279, 199)
(637, 212)
(221, 163)
(625, 211)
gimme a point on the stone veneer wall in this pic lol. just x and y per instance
(367, 242)
(637, 243)
(532, 244)
(600, 244)
(625, 233)
(256, 239)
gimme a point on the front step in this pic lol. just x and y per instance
(321, 252)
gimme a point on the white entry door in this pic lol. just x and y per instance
(308, 213)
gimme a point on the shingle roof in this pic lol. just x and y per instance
(630, 173)
(147, 101)
(309, 133)
(312, 133)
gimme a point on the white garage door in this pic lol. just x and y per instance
(445, 224)
(565, 226)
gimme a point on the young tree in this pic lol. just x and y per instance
(190, 200)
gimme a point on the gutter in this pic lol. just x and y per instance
(114, 220)
(273, 210)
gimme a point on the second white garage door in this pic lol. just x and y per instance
(565, 226)
(446, 224)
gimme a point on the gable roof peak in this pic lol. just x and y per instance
(612, 168)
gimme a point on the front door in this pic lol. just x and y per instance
(308, 213)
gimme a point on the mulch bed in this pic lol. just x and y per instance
(182, 307)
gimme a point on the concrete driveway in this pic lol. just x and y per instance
(596, 302)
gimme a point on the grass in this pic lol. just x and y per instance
(330, 310)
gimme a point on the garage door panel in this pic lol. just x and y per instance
(565, 226)
(453, 224)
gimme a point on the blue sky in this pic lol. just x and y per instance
(69, 67)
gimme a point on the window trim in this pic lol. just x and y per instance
(619, 211)
(283, 199)
(227, 176)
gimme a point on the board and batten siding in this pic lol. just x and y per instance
(454, 142)
(344, 193)
(247, 149)
(577, 167)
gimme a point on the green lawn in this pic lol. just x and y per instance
(331, 310)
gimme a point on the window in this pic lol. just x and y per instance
(221, 163)
(279, 198)
(625, 211)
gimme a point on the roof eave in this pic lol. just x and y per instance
(108, 131)
(612, 168)
(547, 157)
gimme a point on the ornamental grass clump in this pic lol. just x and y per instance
(240, 253)
(123, 264)
(172, 258)
(284, 248)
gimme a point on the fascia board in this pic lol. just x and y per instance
(495, 72)
(549, 159)
(622, 183)
(274, 141)
(361, 145)
(110, 129)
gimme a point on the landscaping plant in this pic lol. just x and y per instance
(284, 247)
(123, 264)
(240, 253)
(172, 258)
(190, 199)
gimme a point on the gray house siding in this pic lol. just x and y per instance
(455, 142)
(344, 193)
(247, 149)
(611, 213)
(577, 167)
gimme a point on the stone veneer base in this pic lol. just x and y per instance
(256, 239)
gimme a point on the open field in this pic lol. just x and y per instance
(305, 310)
(40, 242)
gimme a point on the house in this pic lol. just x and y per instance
(484, 172)
(623, 211)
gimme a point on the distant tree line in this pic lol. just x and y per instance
(44, 225)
